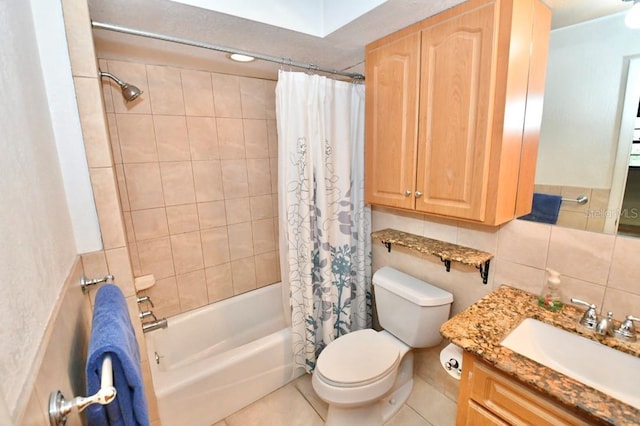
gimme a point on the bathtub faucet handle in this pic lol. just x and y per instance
(142, 299)
(145, 314)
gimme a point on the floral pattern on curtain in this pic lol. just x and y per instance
(325, 227)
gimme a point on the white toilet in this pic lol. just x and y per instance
(365, 376)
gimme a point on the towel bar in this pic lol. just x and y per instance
(580, 199)
(59, 408)
(86, 283)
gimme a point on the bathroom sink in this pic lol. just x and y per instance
(596, 365)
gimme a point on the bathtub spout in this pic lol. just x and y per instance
(154, 325)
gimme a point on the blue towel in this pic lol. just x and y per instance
(545, 208)
(112, 333)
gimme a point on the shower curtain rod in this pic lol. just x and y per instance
(277, 60)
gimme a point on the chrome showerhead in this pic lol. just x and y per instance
(129, 91)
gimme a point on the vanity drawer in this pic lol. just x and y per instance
(515, 403)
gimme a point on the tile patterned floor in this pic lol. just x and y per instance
(297, 405)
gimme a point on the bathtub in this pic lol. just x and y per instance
(215, 360)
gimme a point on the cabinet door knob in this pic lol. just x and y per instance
(418, 194)
(407, 193)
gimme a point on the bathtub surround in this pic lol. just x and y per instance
(195, 160)
(326, 244)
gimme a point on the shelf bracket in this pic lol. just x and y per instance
(484, 271)
(387, 244)
(447, 264)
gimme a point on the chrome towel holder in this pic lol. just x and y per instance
(59, 408)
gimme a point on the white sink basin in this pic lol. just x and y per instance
(603, 368)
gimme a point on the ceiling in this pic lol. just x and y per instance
(342, 49)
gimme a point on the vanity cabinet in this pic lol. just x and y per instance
(490, 397)
(453, 110)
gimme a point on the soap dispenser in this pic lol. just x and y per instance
(551, 298)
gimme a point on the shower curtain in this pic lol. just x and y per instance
(325, 244)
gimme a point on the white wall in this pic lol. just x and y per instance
(585, 76)
(38, 246)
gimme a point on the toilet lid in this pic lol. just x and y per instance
(357, 358)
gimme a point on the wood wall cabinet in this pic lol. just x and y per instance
(489, 397)
(453, 109)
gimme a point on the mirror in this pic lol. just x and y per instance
(590, 106)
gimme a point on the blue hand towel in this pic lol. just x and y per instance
(112, 334)
(545, 208)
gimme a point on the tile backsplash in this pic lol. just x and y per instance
(594, 267)
(196, 162)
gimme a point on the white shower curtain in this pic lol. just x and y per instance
(325, 244)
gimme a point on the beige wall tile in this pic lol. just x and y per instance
(272, 137)
(165, 297)
(165, 90)
(440, 229)
(203, 138)
(79, 38)
(230, 138)
(226, 95)
(94, 264)
(234, 178)
(198, 93)
(264, 239)
(583, 290)
(259, 175)
(131, 73)
(244, 275)
(92, 120)
(240, 240)
(128, 226)
(135, 259)
(150, 223)
(172, 138)
(182, 218)
(572, 219)
(122, 187)
(524, 242)
(137, 138)
(219, 282)
(207, 176)
(479, 237)
(517, 275)
(621, 303)
(256, 141)
(238, 210)
(273, 168)
(192, 288)
(187, 252)
(382, 218)
(252, 96)
(267, 268)
(215, 246)
(107, 202)
(262, 207)
(114, 139)
(177, 183)
(625, 267)
(580, 254)
(212, 214)
(119, 264)
(144, 185)
(156, 258)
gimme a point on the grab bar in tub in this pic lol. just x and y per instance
(59, 408)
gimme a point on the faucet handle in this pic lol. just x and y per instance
(627, 331)
(590, 317)
(142, 299)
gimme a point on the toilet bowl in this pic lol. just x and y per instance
(366, 376)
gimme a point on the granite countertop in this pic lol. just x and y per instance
(480, 328)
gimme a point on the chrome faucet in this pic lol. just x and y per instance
(154, 325)
(142, 299)
(605, 325)
(590, 317)
(145, 314)
(627, 331)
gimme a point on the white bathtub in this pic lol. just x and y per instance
(219, 358)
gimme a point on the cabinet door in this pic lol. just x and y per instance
(391, 122)
(455, 106)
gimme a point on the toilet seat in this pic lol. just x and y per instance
(357, 359)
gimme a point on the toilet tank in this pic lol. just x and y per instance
(410, 309)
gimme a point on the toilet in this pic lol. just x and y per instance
(366, 376)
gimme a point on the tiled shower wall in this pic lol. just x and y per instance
(196, 163)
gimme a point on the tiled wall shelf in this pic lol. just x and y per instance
(447, 252)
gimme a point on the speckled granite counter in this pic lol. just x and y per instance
(481, 327)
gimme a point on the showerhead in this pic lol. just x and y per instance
(129, 91)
